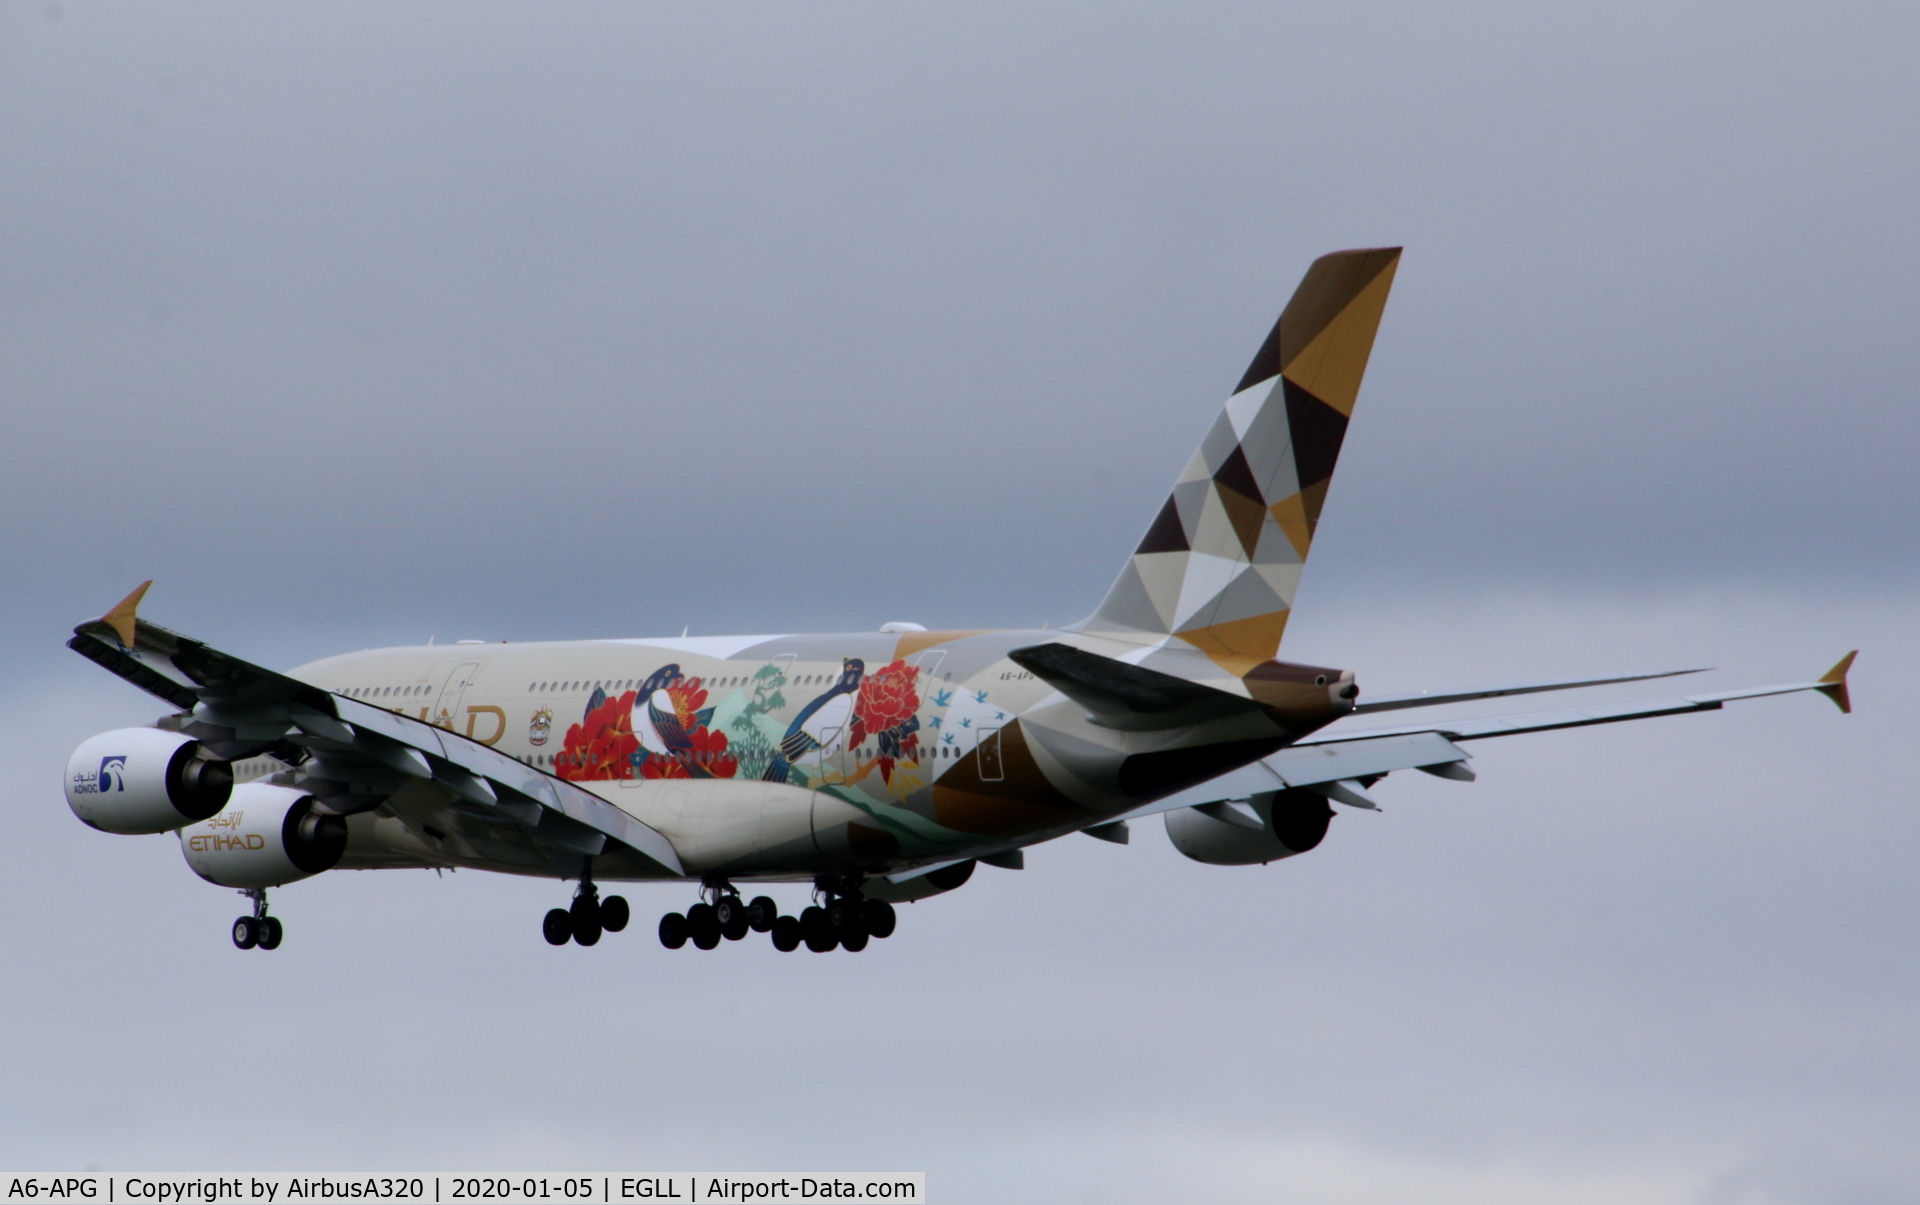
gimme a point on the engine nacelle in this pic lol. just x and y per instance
(143, 780)
(267, 836)
(1292, 822)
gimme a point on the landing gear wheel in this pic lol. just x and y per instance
(269, 931)
(733, 924)
(880, 918)
(703, 926)
(761, 914)
(614, 913)
(673, 930)
(852, 929)
(246, 933)
(557, 928)
(816, 931)
(786, 934)
(585, 916)
(841, 913)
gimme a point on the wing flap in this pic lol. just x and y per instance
(1316, 767)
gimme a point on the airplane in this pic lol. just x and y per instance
(878, 767)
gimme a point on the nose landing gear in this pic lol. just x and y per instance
(259, 930)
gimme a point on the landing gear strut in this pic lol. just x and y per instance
(719, 914)
(259, 930)
(840, 917)
(588, 917)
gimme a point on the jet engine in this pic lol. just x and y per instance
(267, 836)
(143, 780)
(1269, 826)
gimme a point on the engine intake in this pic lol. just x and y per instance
(143, 780)
(1292, 822)
(267, 836)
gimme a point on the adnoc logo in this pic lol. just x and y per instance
(112, 776)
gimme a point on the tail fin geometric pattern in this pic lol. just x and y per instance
(1221, 563)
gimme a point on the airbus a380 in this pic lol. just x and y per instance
(879, 767)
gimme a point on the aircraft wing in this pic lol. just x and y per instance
(1340, 764)
(353, 756)
(1425, 699)
(1833, 685)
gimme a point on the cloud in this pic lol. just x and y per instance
(358, 325)
(700, 312)
(1656, 959)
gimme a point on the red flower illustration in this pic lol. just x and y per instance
(664, 766)
(885, 710)
(602, 745)
(688, 698)
(709, 754)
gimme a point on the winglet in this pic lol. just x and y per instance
(1833, 683)
(122, 618)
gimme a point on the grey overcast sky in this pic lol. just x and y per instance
(355, 324)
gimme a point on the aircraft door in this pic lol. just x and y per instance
(928, 663)
(457, 683)
(987, 755)
(822, 758)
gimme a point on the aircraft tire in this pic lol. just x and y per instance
(880, 918)
(841, 913)
(816, 931)
(673, 930)
(614, 913)
(854, 939)
(703, 926)
(762, 914)
(786, 934)
(584, 917)
(246, 934)
(271, 931)
(557, 928)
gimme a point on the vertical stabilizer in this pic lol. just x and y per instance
(1220, 564)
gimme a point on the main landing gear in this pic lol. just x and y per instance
(840, 917)
(259, 930)
(587, 918)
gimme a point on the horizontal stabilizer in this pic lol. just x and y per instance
(1424, 699)
(1127, 697)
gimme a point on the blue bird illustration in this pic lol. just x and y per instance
(819, 723)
